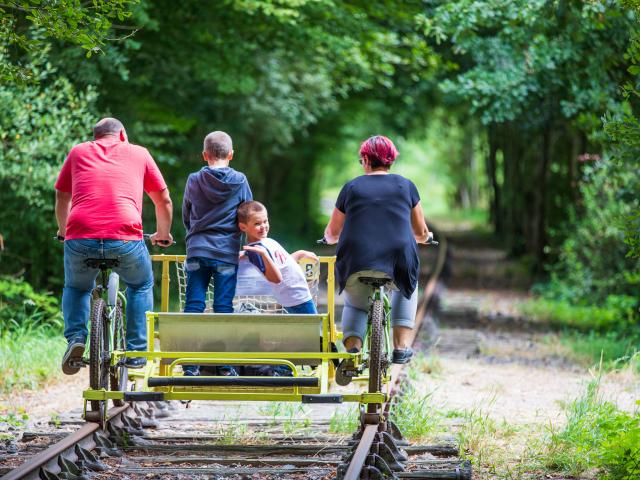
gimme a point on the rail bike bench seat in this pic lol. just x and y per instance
(262, 335)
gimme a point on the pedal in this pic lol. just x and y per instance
(78, 363)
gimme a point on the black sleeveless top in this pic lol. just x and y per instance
(377, 233)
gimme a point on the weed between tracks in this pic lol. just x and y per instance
(292, 417)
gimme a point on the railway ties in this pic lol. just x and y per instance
(192, 444)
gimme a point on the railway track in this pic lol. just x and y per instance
(164, 440)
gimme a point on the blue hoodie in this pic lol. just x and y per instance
(209, 212)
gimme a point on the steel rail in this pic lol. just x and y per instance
(365, 443)
(49, 458)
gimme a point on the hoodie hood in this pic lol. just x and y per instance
(219, 184)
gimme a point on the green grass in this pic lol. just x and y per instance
(558, 313)
(598, 436)
(292, 417)
(344, 420)
(591, 333)
(30, 356)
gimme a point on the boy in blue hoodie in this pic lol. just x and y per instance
(209, 213)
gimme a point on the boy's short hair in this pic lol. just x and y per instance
(218, 145)
(246, 209)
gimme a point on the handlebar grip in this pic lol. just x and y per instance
(147, 236)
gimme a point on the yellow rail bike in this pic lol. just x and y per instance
(264, 334)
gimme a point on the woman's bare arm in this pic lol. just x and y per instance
(420, 229)
(334, 227)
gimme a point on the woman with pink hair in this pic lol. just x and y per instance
(377, 222)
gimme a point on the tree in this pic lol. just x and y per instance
(39, 123)
(27, 25)
(539, 74)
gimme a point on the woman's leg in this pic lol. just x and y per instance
(354, 315)
(403, 314)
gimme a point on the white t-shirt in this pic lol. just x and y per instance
(291, 291)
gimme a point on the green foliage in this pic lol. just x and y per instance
(24, 309)
(39, 123)
(597, 435)
(31, 341)
(27, 25)
(618, 312)
(611, 349)
(345, 420)
(595, 281)
(539, 75)
(415, 414)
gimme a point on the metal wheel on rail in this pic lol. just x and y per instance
(99, 356)
(118, 375)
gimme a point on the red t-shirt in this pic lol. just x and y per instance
(106, 179)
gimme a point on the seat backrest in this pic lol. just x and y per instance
(220, 332)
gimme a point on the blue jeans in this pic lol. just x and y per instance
(199, 273)
(134, 270)
(306, 307)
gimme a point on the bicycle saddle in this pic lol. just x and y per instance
(375, 282)
(102, 263)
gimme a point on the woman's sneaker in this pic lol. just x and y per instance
(72, 359)
(402, 355)
(346, 370)
(135, 362)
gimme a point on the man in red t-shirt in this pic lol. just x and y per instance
(99, 195)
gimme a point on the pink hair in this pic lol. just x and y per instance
(380, 151)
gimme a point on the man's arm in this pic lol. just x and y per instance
(63, 206)
(164, 214)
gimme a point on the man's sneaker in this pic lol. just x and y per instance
(135, 362)
(190, 370)
(346, 370)
(227, 371)
(402, 355)
(72, 359)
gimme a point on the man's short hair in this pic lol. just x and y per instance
(107, 126)
(218, 145)
(246, 209)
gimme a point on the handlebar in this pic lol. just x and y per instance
(147, 236)
(429, 241)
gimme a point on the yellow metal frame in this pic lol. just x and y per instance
(163, 363)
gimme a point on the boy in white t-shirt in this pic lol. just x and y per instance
(266, 255)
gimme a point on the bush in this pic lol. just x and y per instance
(23, 308)
(31, 341)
